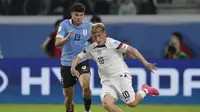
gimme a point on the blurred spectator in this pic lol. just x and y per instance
(4, 6)
(49, 44)
(95, 19)
(102, 7)
(177, 38)
(127, 7)
(15, 7)
(147, 7)
(36, 7)
(126, 55)
(114, 6)
(164, 1)
(57, 6)
(172, 53)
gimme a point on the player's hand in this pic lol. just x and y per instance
(74, 72)
(151, 67)
(69, 34)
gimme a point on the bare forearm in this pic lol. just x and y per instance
(60, 41)
(136, 53)
(75, 62)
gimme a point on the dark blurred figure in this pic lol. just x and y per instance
(95, 19)
(25, 7)
(173, 54)
(164, 1)
(36, 7)
(181, 50)
(4, 7)
(177, 36)
(127, 7)
(15, 7)
(57, 6)
(146, 7)
(48, 45)
(101, 7)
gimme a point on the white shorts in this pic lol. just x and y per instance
(119, 88)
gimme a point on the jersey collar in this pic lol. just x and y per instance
(70, 22)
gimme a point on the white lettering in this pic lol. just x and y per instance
(188, 83)
(174, 81)
(56, 71)
(141, 76)
(27, 81)
(5, 81)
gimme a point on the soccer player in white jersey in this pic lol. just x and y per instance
(115, 77)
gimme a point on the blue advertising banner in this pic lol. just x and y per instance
(27, 39)
(38, 81)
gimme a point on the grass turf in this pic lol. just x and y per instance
(96, 108)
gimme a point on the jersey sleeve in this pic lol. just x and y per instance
(90, 39)
(118, 45)
(84, 55)
(62, 32)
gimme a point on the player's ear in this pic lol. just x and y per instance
(105, 33)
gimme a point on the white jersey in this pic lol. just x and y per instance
(108, 57)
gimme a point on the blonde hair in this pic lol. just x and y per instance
(97, 27)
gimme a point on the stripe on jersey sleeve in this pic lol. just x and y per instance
(120, 46)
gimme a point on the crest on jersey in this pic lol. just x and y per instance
(84, 32)
(83, 67)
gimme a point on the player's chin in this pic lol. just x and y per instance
(98, 43)
(79, 21)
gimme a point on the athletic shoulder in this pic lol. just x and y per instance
(112, 43)
(110, 40)
(87, 23)
(65, 22)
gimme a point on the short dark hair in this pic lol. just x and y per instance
(78, 7)
(178, 35)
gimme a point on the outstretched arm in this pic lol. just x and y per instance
(133, 51)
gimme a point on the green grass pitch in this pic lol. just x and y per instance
(96, 108)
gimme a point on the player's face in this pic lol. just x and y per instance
(175, 42)
(77, 17)
(100, 38)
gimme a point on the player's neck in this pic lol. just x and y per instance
(103, 44)
(76, 25)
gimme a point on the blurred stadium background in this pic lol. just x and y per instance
(29, 73)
